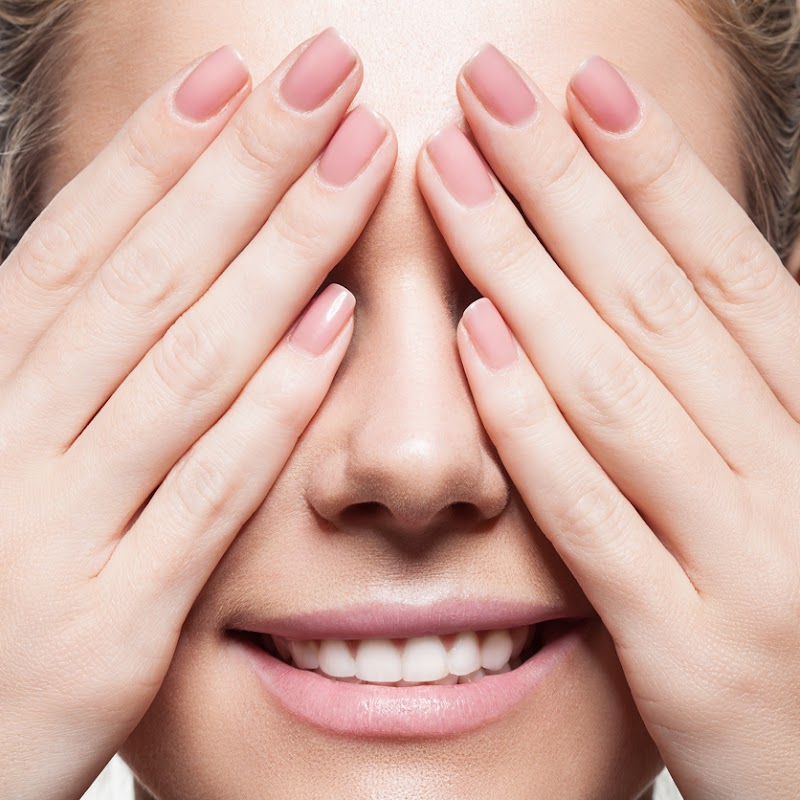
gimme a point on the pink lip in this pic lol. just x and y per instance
(364, 710)
(399, 620)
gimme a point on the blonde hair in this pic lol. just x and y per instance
(760, 38)
(35, 42)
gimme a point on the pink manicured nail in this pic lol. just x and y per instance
(460, 167)
(490, 334)
(323, 320)
(352, 147)
(499, 86)
(318, 72)
(605, 95)
(214, 81)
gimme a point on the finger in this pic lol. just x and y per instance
(88, 218)
(633, 427)
(159, 566)
(734, 269)
(598, 240)
(594, 528)
(190, 377)
(184, 242)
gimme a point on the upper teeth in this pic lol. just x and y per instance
(419, 659)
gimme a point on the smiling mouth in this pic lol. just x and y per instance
(431, 659)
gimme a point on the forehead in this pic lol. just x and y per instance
(411, 52)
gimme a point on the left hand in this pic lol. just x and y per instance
(647, 413)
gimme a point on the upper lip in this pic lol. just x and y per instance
(404, 620)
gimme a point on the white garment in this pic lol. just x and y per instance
(116, 783)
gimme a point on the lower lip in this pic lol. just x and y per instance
(364, 710)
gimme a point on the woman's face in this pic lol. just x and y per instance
(394, 494)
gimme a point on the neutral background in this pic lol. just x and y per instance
(116, 783)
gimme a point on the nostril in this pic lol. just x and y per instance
(404, 517)
(372, 515)
(368, 509)
(465, 514)
(362, 515)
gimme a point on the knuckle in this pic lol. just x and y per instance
(188, 361)
(140, 153)
(659, 167)
(745, 271)
(200, 488)
(613, 389)
(524, 416)
(563, 166)
(663, 301)
(594, 508)
(252, 143)
(514, 261)
(140, 274)
(305, 234)
(280, 403)
(51, 258)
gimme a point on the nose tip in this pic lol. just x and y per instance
(415, 487)
(411, 493)
(411, 482)
(405, 454)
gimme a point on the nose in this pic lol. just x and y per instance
(412, 459)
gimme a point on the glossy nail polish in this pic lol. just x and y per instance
(323, 320)
(490, 335)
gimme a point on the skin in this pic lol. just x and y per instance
(208, 733)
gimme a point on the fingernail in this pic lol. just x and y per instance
(499, 86)
(318, 72)
(490, 335)
(323, 320)
(460, 167)
(352, 147)
(214, 81)
(606, 96)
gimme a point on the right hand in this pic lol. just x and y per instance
(150, 394)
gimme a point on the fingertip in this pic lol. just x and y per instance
(323, 321)
(606, 96)
(210, 85)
